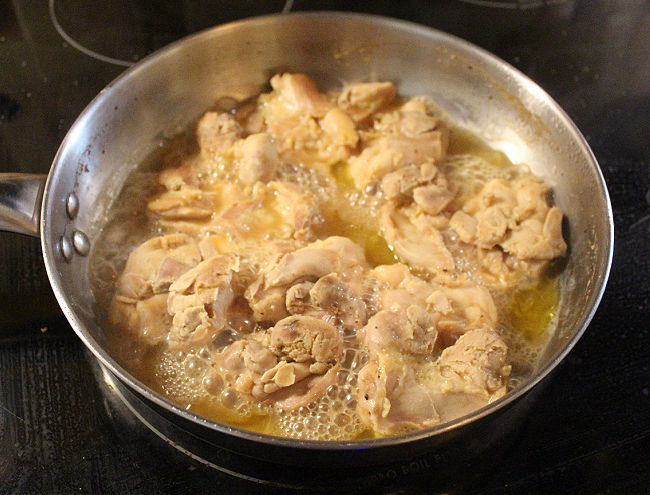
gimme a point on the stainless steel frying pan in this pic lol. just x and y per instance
(162, 94)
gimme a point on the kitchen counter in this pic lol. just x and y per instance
(588, 431)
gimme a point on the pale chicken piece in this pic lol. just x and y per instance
(251, 118)
(409, 332)
(192, 210)
(535, 240)
(176, 178)
(147, 319)
(461, 309)
(399, 185)
(139, 306)
(419, 245)
(514, 228)
(298, 300)
(269, 211)
(267, 295)
(343, 300)
(406, 137)
(184, 204)
(432, 198)
(497, 192)
(291, 364)
(531, 199)
(476, 364)
(360, 100)
(394, 285)
(453, 310)
(373, 163)
(390, 400)
(305, 126)
(500, 269)
(300, 94)
(243, 363)
(216, 132)
(340, 128)
(465, 226)
(199, 300)
(297, 208)
(256, 159)
(329, 298)
(155, 264)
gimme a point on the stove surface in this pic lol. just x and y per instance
(63, 426)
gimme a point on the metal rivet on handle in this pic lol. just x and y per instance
(72, 205)
(80, 242)
(65, 247)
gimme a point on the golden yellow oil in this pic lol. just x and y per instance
(463, 142)
(533, 307)
(345, 216)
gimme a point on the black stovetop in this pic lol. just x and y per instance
(588, 432)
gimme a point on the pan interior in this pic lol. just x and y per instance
(159, 97)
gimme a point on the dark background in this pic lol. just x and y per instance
(588, 432)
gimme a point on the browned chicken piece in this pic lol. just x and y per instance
(291, 364)
(216, 132)
(363, 99)
(476, 364)
(139, 306)
(329, 298)
(406, 137)
(199, 300)
(411, 332)
(257, 159)
(300, 94)
(419, 245)
(267, 295)
(390, 399)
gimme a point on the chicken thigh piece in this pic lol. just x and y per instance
(514, 227)
(305, 125)
(199, 299)
(476, 364)
(390, 399)
(139, 306)
(291, 364)
(267, 295)
(407, 136)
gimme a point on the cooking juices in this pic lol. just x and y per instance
(329, 266)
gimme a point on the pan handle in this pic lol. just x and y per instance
(21, 196)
